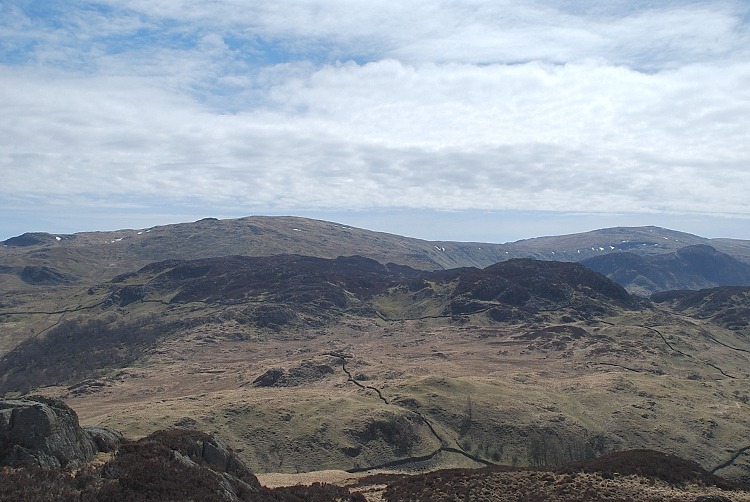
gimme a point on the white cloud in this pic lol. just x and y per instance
(477, 31)
(453, 105)
(385, 125)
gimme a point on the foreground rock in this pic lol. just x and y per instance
(43, 432)
(178, 465)
(167, 465)
(183, 464)
(45, 455)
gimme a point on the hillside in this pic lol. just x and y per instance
(728, 307)
(643, 241)
(39, 259)
(290, 292)
(304, 363)
(47, 456)
(692, 267)
(309, 345)
(97, 256)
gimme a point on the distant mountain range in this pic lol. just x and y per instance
(641, 259)
(692, 267)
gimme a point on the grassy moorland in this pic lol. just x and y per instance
(305, 364)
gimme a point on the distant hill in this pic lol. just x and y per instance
(691, 267)
(642, 241)
(41, 259)
(726, 306)
(97, 256)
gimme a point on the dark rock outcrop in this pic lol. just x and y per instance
(728, 306)
(129, 294)
(167, 465)
(39, 275)
(43, 432)
(520, 287)
(691, 267)
(305, 373)
(105, 439)
(289, 279)
(269, 378)
(273, 316)
(181, 463)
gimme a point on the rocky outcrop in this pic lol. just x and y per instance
(305, 373)
(204, 449)
(521, 288)
(269, 378)
(105, 439)
(39, 275)
(44, 432)
(180, 464)
(167, 465)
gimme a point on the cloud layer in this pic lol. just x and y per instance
(295, 106)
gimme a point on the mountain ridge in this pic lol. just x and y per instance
(284, 292)
(348, 363)
(40, 258)
(697, 266)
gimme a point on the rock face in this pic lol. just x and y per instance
(105, 439)
(166, 465)
(179, 465)
(42, 432)
(202, 448)
(44, 276)
(305, 373)
(41, 440)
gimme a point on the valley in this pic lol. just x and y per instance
(304, 363)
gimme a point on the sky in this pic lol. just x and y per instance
(484, 121)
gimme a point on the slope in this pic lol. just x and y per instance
(35, 259)
(306, 363)
(691, 267)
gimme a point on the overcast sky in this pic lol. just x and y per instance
(454, 120)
